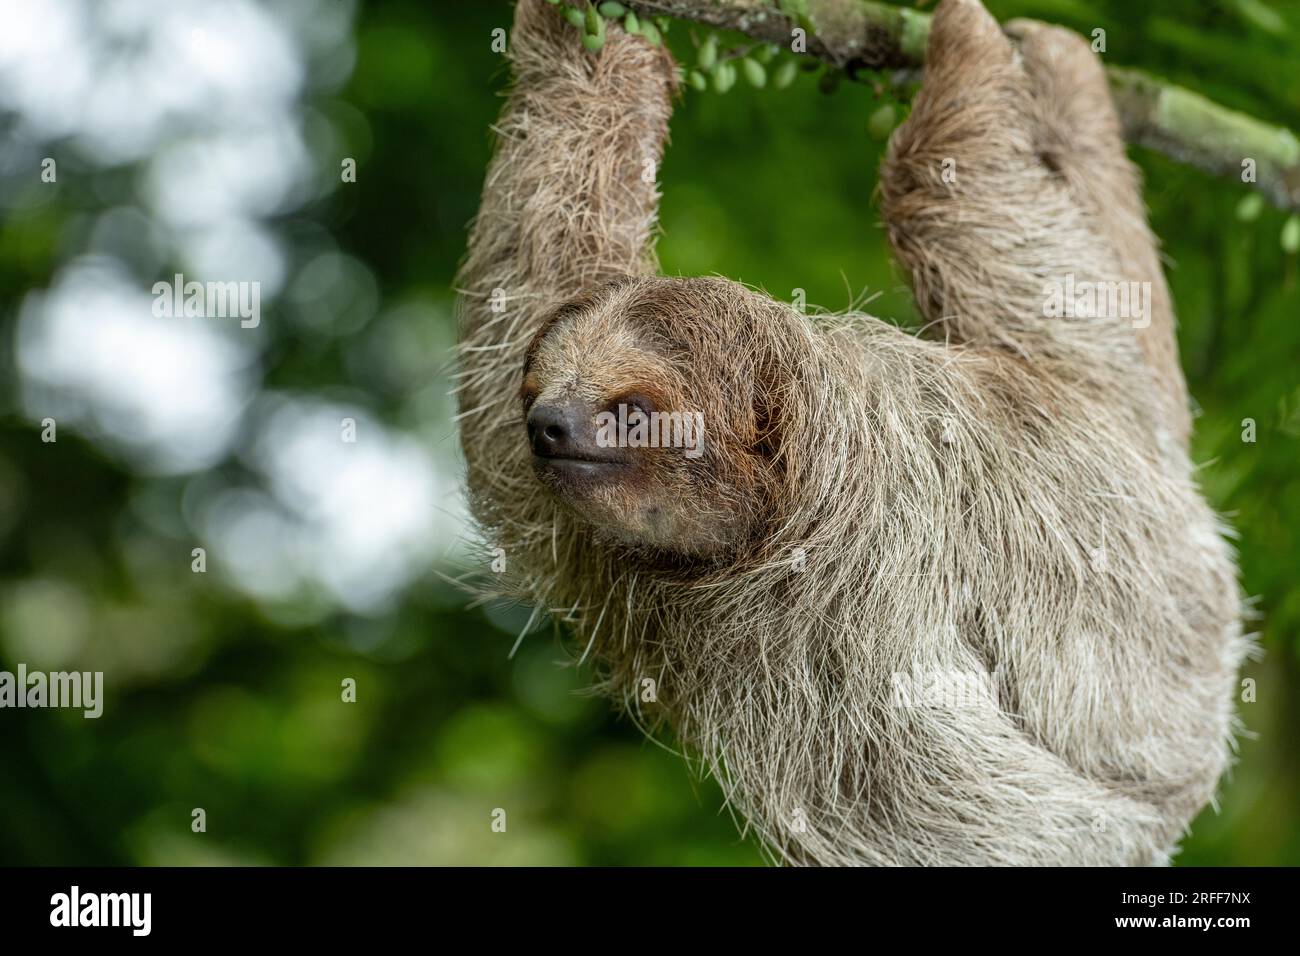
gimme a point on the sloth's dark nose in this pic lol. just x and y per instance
(561, 430)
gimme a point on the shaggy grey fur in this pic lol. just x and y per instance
(1004, 506)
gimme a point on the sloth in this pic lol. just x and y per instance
(948, 597)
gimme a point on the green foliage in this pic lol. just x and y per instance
(881, 122)
(1291, 235)
(651, 32)
(785, 74)
(724, 76)
(233, 702)
(1251, 205)
(707, 57)
(747, 59)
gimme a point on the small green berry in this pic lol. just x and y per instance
(708, 55)
(724, 77)
(1291, 235)
(1251, 205)
(881, 123)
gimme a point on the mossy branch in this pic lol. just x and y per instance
(862, 34)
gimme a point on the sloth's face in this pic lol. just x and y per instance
(633, 426)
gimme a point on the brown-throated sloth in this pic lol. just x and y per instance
(1005, 506)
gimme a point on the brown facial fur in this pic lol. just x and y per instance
(649, 340)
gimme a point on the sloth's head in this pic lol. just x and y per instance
(638, 406)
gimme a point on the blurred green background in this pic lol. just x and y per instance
(207, 138)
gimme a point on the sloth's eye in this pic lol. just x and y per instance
(634, 400)
(529, 396)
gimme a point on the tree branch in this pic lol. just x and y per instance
(863, 34)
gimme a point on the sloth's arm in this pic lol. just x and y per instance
(569, 201)
(971, 788)
(1010, 175)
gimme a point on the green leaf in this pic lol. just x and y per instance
(754, 73)
(612, 9)
(708, 55)
(724, 77)
(595, 25)
(1264, 17)
(698, 81)
(881, 123)
(631, 24)
(576, 17)
(1291, 235)
(1251, 205)
(651, 32)
(785, 74)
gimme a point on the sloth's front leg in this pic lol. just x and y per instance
(1077, 133)
(1009, 181)
(567, 206)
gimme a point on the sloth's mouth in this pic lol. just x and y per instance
(580, 470)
